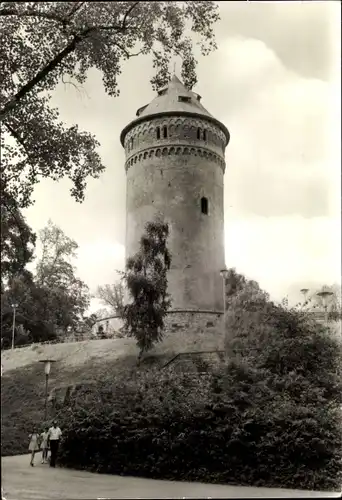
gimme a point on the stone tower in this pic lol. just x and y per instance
(175, 167)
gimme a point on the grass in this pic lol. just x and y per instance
(23, 381)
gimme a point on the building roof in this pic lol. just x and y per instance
(175, 98)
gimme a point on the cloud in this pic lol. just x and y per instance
(273, 82)
(278, 251)
(98, 261)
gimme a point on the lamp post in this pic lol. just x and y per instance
(304, 291)
(224, 275)
(324, 294)
(47, 368)
(14, 307)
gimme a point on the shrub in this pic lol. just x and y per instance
(232, 426)
(300, 364)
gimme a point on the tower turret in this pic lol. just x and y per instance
(175, 168)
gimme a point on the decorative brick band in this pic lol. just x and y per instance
(177, 151)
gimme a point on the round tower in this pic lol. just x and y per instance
(175, 167)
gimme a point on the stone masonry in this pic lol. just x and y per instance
(175, 168)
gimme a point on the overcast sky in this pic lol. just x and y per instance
(275, 83)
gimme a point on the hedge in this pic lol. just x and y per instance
(231, 427)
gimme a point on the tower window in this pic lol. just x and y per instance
(164, 131)
(204, 135)
(198, 133)
(204, 205)
(158, 132)
(182, 98)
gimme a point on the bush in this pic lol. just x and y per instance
(233, 426)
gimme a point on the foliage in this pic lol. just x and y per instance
(146, 280)
(112, 296)
(35, 314)
(17, 240)
(68, 295)
(300, 363)
(49, 302)
(44, 43)
(236, 282)
(229, 427)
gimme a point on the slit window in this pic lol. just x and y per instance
(198, 133)
(182, 98)
(204, 135)
(158, 132)
(165, 132)
(204, 205)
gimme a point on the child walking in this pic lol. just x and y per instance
(34, 445)
(44, 445)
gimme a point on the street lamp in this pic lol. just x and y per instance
(224, 274)
(325, 294)
(14, 307)
(47, 368)
(304, 291)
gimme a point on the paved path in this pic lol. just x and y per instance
(22, 482)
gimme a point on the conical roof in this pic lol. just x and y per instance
(175, 98)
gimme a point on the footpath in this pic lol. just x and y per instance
(22, 482)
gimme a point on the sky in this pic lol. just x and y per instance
(275, 83)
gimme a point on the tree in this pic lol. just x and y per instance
(298, 365)
(112, 296)
(55, 274)
(17, 240)
(237, 283)
(146, 280)
(35, 314)
(43, 43)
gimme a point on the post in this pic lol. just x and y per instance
(13, 326)
(47, 368)
(46, 395)
(224, 274)
(326, 315)
(224, 304)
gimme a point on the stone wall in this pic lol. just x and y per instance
(194, 330)
(170, 177)
(187, 330)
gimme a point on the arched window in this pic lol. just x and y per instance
(198, 133)
(165, 131)
(204, 135)
(158, 132)
(204, 206)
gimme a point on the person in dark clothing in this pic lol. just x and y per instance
(54, 436)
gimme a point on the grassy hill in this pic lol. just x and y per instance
(23, 379)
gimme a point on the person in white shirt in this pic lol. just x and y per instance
(44, 445)
(54, 435)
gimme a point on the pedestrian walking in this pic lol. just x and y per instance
(54, 436)
(33, 445)
(44, 445)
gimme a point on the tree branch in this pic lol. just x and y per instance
(128, 13)
(44, 15)
(59, 57)
(75, 9)
(43, 73)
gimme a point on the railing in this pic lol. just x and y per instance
(192, 354)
